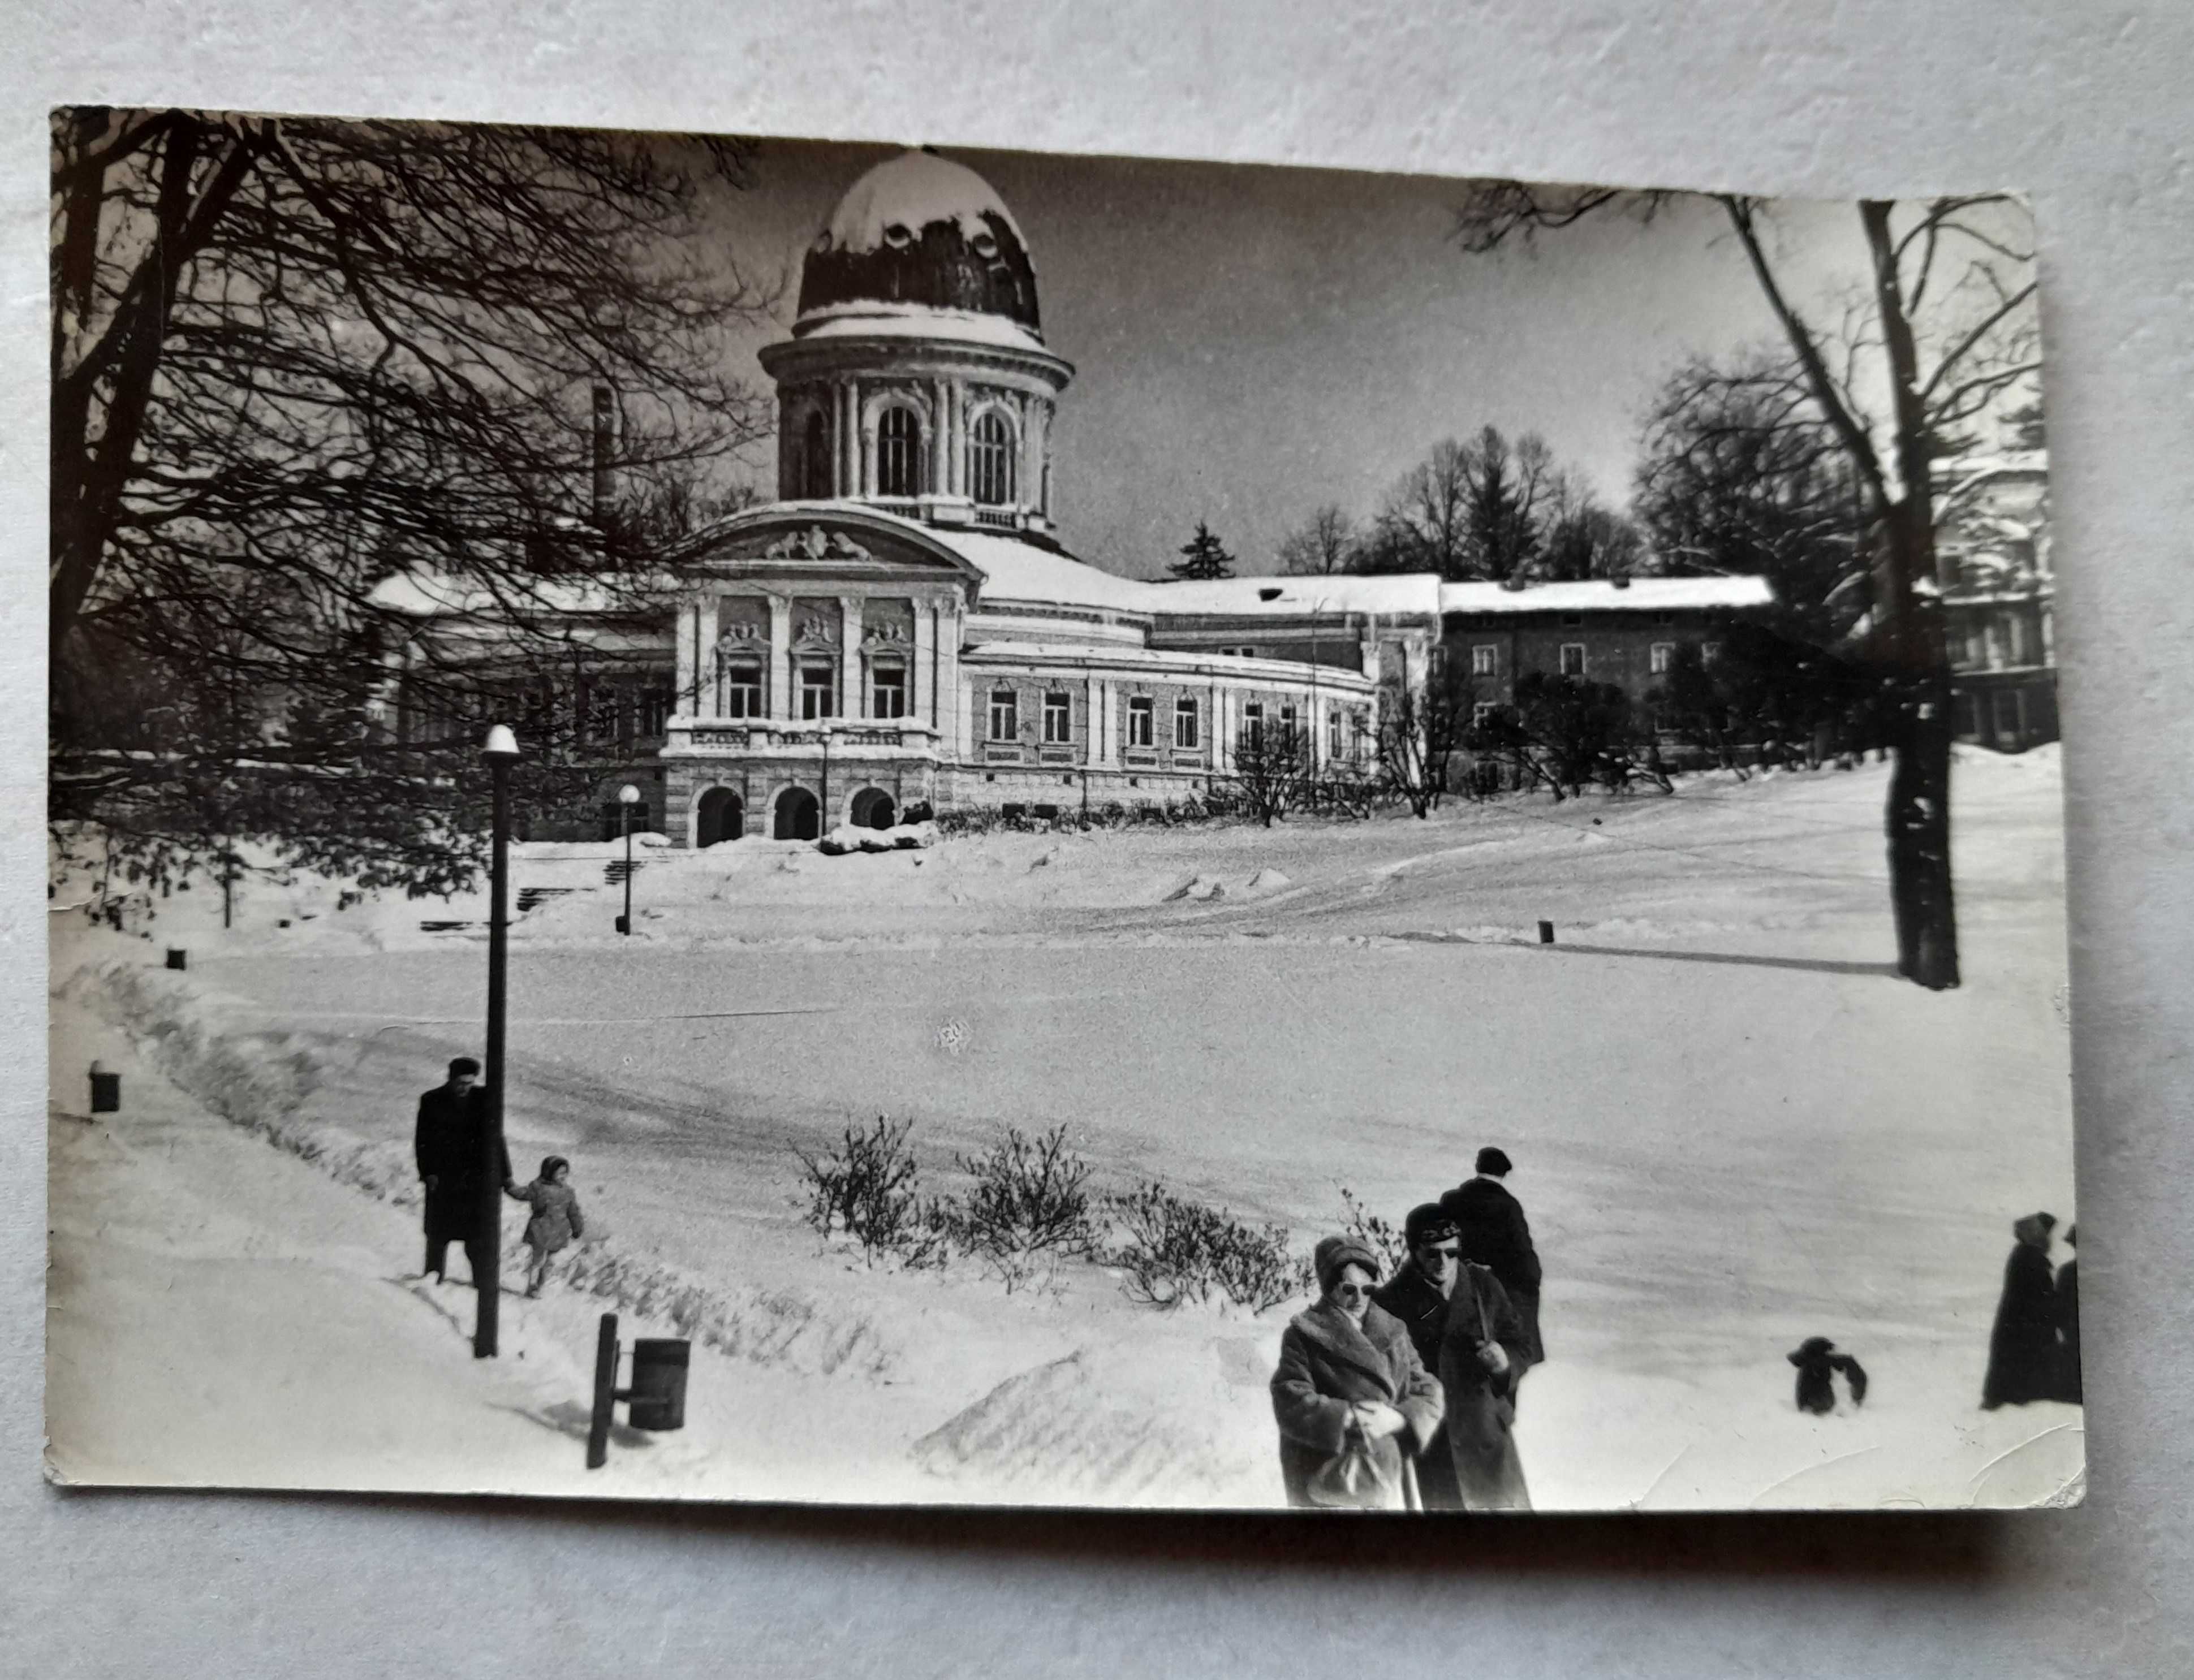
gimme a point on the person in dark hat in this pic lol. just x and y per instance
(1481, 1360)
(447, 1143)
(1354, 1405)
(2023, 1359)
(1497, 1236)
(1416, 1297)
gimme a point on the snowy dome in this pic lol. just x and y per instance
(919, 233)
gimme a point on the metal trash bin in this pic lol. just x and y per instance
(178, 959)
(105, 1091)
(656, 1397)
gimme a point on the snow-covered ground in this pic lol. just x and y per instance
(1733, 1128)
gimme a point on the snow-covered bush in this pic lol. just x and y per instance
(1028, 1207)
(1377, 1234)
(869, 1187)
(1176, 1250)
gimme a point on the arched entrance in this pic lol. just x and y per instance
(798, 816)
(873, 808)
(722, 816)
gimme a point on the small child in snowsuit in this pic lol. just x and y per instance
(556, 1222)
(1817, 1360)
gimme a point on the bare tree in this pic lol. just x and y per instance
(1420, 731)
(1271, 770)
(1325, 542)
(1469, 510)
(1953, 294)
(291, 358)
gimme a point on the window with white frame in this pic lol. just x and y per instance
(1482, 712)
(1663, 656)
(1484, 659)
(1005, 716)
(1287, 722)
(1058, 719)
(1187, 724)
(1142, 713)
(1709, 652)
(1333, 736)
(886, 689)
(1253, 723)
(898, 452)
(1572, 659)
(654, 701)
(740, 693)
(819, 689)
(991, 459)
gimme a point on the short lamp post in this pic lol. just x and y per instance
(500, 750)
(628, 797)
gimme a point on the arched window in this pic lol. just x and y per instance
(899, 453)
(991, 459)
(816, 476)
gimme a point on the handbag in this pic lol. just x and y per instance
(1354, 1477)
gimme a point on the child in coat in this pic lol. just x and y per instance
(556, 1221)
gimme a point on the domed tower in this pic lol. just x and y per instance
(917, 378)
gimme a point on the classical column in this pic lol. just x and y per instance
(951, 701)
(780, 655)
(686, 639)
(956, 457)
(841, 479)
(1024, 472)
(706, 702)
(849, 661)
(940, 447)
(865, 452)
(922, 702)
(1092, 743)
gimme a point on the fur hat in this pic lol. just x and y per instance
(1334, 1252)
(464, 1064)
(1494, 1161)
(1427, 1223)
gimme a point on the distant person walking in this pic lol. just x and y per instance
(447, 1144)
(2023, 1359)
(1416, 1297)
(1497, 1236)
(2066, 1299)
(1353, 1404)
(556, 1223)
(1482, 1358)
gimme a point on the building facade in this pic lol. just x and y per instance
(1998, 592)
(903, 629)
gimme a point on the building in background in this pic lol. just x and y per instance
(1998, 596)
(902, 628)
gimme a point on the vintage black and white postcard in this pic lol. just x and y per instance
(1080, 831)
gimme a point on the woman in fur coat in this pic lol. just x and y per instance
(1354, 1403)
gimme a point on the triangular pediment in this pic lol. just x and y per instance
(808, 541)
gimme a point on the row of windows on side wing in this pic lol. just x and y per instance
(1486, 657)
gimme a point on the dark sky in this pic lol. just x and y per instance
(1250, 342)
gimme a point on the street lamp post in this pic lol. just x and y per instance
(628, 797)
(501, 751)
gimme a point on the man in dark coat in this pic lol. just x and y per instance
(1417, 1297)
(447, 1144)
(2023, 1359)
(1481, 1357)
(1497, 1236)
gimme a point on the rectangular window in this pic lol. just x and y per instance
(1142, 712)
(1484, 659)
(742, 692)
(1332, 733)
(887, 691)
(818, 690)
(1663, 653)
(1058, 719)
(2007, 714)
(1572, 659)
(1253, 724)
(597, 713)
(1187, 732)
(1709, 652)
(1572, 621)
(1005, 716)
(1483, 710)
(655, 709)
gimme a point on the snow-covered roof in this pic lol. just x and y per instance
(1599, 594)
(912, 191)
(423, 594)
(1395, 595)
(866, 319)
(1014, 570)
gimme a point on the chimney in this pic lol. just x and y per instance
(1621, 580)
(605, 451)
